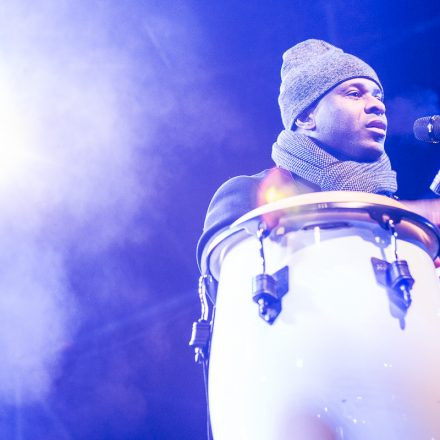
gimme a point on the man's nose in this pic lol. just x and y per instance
(375, 105)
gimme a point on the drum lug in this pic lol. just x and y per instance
(267, 292)
(201, 329)
(397, 278)
(200, 336)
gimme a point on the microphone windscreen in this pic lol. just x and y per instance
(427, 129)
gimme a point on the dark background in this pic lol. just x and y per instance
(154, 105)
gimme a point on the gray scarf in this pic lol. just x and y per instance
(303, 157)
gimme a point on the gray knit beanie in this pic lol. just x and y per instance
(310, 69)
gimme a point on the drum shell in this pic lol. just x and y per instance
(336, 363)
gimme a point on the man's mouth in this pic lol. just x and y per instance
(378, 126)
(377, 123)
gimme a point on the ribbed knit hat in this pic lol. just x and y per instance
(310, 69)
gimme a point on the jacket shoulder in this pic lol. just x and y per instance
(233, 199)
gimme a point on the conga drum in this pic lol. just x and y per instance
(343, 359)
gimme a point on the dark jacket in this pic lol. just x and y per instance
(242, 194)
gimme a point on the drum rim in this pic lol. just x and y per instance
(248, 223)
(324, 197)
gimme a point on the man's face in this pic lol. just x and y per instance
(350, 120)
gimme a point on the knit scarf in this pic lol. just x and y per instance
(303, 157)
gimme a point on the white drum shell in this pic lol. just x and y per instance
(336, 363)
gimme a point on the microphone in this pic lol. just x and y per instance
(427, 129)
(435, 185)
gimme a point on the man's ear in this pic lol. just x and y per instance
(306, 120)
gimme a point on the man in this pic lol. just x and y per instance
(335, 127)
(333, 140)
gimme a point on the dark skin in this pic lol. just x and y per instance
(349, 120)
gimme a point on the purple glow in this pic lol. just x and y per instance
(118, 120)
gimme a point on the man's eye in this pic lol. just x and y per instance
(355, 93)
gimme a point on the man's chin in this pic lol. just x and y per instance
(360, 152)
(370, 152)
